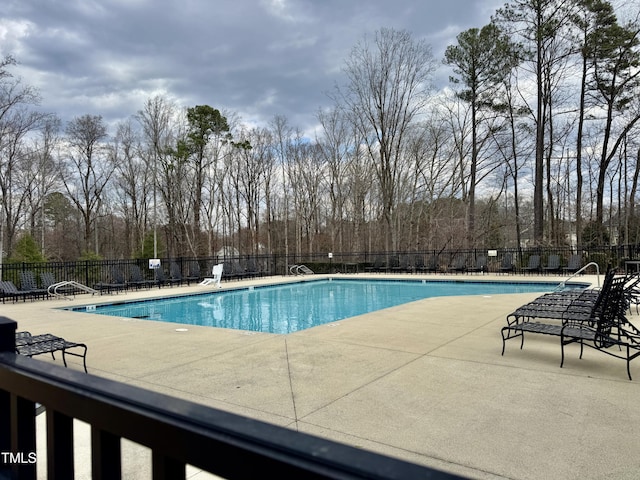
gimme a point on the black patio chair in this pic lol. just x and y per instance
(534, 264)
(611, 334)
(418, 263)
(8, 289)
(161, 279)
(480, 266)
(393, 264)
(377, 266)
(574, 264)
(28, 283)
(194, 272)
(47, 279)
(507, 265)
(252, 270)
(403, 265)
(31, 345)
(459, 264)
(175, 274)
(237, 270)
(136, 278)
(114, 283)
(553, 264)
(432, 264)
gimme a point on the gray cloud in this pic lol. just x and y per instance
(256, 58)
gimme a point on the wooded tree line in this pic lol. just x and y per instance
(534, 142)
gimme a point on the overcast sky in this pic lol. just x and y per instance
(256, 58)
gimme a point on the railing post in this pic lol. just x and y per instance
(7, 335)
(18, 432)
(7, 344)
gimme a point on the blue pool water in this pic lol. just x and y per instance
(290, 307)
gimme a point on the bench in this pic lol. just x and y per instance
(31, 345)
(598, 322)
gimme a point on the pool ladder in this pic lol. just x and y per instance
(300, 270)
(53, 289)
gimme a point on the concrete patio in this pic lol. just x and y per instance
(423, 381)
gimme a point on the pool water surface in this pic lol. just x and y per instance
(290, 307)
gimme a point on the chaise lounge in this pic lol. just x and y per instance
(533, 265)
(31, 345)
(595, 319)
(553, 264)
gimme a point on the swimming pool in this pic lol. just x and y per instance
(290, 307)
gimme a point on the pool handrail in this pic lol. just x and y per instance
(53, 289)
(563, 283)
(300, 270)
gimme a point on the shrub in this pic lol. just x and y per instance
(26, 250)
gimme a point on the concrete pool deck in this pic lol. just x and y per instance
(423, 381)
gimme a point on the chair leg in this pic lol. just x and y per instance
(83, 355)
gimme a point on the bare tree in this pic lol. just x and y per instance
(335, 147)
(44, 170)
(88, 168)
(538, 23)
(134, 181)
(17, 121)
(388, 82)
(282, 134)
(481, 60)
(156, 119)
(616, 56)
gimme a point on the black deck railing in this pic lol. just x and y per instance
(178, 432)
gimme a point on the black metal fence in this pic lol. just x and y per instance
(91, 272)
(178, 432)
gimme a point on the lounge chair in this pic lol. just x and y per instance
(238, 270)
(481, 265)
(553, 264)
(459, 264)
(31, 345)
(534, 264)
(161, 278)
(9, 290)
(432, 264)
(612, 334)
(28, 283)
(507, 264)
(594, 318)
(574, 264)
(136, 279)
(403, 265)
(394, 264)
(47, 279)
(216, 276)
(115, 283)
(377, 266)
(252, 269)
(418, 263)
(175, 275)
(194, 272)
